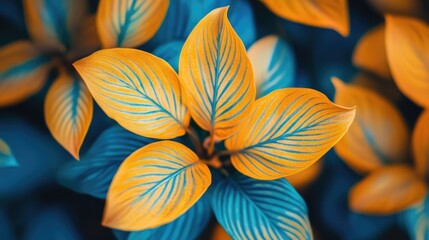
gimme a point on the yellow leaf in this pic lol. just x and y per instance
(23, 71)
(129, 23)
(305, 177)
(68, 111)
(377, 137)
(370, 53)
(288, 131)
(407, 42)
(387, 190)
(420, 142)
(138, 90)
(52, 23)
(154, 186)
(217, 74)
(331, 14)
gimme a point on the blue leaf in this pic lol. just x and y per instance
(416, 220)
(255, 209)
(5, 227)
(94, 172)
(188, 226)
(170, 52)
(51, 224)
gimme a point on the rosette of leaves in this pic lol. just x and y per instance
(161, 189)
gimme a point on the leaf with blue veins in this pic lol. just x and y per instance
(253, 209)
(94, 172)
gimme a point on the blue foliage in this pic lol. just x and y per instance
(416, 220)
(94, 172)
(170, 52)
(255, 209)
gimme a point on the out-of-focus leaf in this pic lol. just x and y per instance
(218, 233)
(138, 90)
(217, 75)
(378, 135)
(416, 220)
(6, 230)
(420, 144)
(407, 43)
(331, 14)
(254, 209)
(154, 186)
(6, 156)
(387, 190)
(129, 23)
(188, 226)
(51, 224)
(305, 177)
(68, 111)
(86, 40)
(370, 52)
(387, 89)
(273, 64)
(400, 7)
(52, 24)
(287, 131)
(170, 52)
(94, 172)
(23, 71)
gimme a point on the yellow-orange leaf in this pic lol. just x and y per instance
(378, 136)
(23, 71)
(305, 177)
(387, 190)
(138, 90)
(52, 23)
(370, 52)
(387, 89)
(129, 23)
(287, 131)
(154, 186)
(420, 144)
(68, 111)
(407, 42)
(331, 14)
(217, 74)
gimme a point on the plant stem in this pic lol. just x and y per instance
(211, 145)
(195, 140)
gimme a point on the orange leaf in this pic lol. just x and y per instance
(154, 186)
(378, 135)
(129, 23)
(68, 111)
(407, 42)
(420, 144)
(218, 233)
(387, 89)
(23, 71)
(52, 24)
(370, 53)
(305, 177)
(331, 14)
(401, 7)
(86, 40)
(387, 190)
(217, 75)
(138, 90)
(287, 131)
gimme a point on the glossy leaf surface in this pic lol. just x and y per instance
(68, 111)
(387, 190)
(378, 136)
(52, 24)
(273, 64)
(188, 226)
(420, 144)
(253, 209)
(154, 186)
(217, 74)
(407, 43)
(6, 157)
(129, 23)
(94, 172)
(318, 13)
(23, 71)
(370, 52)
(138, 90)
(288, 131)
